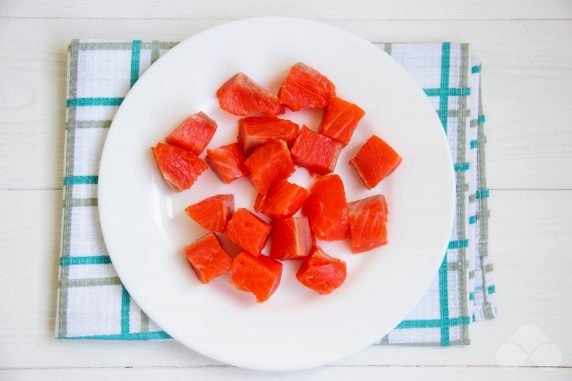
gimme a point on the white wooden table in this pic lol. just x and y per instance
(526, 50)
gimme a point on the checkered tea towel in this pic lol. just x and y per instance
(92, 303)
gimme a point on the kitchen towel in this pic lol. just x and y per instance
(92, 303)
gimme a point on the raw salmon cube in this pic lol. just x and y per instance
(257, 275)
(255, 131)
(269, 165)
(282, 201)
(207, 258)
(340, 120)
(322, 273)
(259, 202)
(194, 133)
(374, 161)
(327, 210)
(227, 162)
(241, 96)
(367, 223)
(248, 231)
(212, 213)
(291, 238)
(316, 152)
(180, 168)
(305, 87)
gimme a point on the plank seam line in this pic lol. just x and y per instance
(225, 18)
(326, 366)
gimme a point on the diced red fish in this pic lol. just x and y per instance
(227, 162)
(194, 133)
(305, 87)
(340, 120)
(248, 231)
(259, 202)
(375, 161)
(255, 131)
(207, 258)
(316, 152)
(241, 96)
(212, 213)
(282, 201)
(257, 275)
(291, 238)
(180, 168)
(327, 210)
(368, 219)
(269, 165)
(322, 273)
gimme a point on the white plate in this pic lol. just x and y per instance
(145, 227)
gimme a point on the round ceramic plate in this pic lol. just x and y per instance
(145, 227)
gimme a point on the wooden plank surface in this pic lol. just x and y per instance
(526, 50)
(327, 373)
(530, 232)
(527, 81)
(322, 9)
